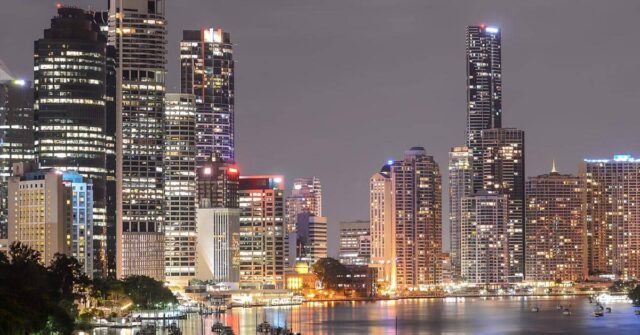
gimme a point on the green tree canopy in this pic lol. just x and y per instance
(331, 272)
(147, 292)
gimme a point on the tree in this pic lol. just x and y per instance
(634, 295)
(331, 272)
(147, 292)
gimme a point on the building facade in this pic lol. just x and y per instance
(382, 228)
(40, 212)
(460, 186)
(207, 71)
(556, 229)
(262, 232)
(16, 134)
(484, 247)
(355, 243)
(484, 90)
(613, 218)
(503, 173)
(180, 189)
(137, 29)
(81, 246)
(311, 238)
(305, 198)
(70, 77)
(417, 214)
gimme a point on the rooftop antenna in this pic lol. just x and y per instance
(553, 167)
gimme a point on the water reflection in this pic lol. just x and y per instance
(425, 316)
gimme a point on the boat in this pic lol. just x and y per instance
(217, 328)
(566, 312)
(559, 307)
(608, 309)
(264, 328)
(535, 309)
(598, 313)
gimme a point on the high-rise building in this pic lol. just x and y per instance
(218, 222)
(306, 197)
(484, 90)
(556, 230)
(355, 243)
(503, 173)
(460, 186)
(70, 78)
(382, 228)
(39, 210)
(417, 214)
(81, 219)
(613, 192)
(137, 29)
(311, 232)
(484, 243)
(262, 232)
(207, 71)
(180, 188)
(16, 134)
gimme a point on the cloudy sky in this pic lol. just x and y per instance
(334, 88)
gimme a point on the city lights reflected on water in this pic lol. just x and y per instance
(429, 316)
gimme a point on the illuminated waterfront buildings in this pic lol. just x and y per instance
(262, 232)
(137, 28)
(39, 210)
(484, 90)
(16, 133)
(81, 237)
(417, 214)
(70, 108)
(460, 179)
(484, 241)
(382, 228)
(613, 224)
(503, 173)
(207, 71)
(556, 231)
(180, 188)
(311, 233)
(355, 243)
(306, 197)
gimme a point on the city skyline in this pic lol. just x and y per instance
(435, 120)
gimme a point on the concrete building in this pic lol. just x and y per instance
(417, 214)
(180, 188)
(355, 243)
(382, 228)
(207, 70)
(613, 227)
(81, 219)
(40, 212)
(503, 173)
(16, 134)
(311, 233)
(262, 232)
(484, 240)
(137, 28)
(556, 228)
(306, 197)
(460, 186)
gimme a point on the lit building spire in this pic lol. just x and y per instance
(553, 166)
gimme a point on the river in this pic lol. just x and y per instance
(428, 316)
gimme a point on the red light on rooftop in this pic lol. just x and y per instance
(58, 5)
(233, 170)
(482, 25)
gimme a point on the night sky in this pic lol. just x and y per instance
(335, 88)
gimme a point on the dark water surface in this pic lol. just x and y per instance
(430, 316)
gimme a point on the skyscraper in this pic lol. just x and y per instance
(484, 242)
(460, 186)
(417, 214)
(311, 237)
(484, 90)
(180, 188)
(262, 231)
(81, 219)
(218, 184)
(355, 243)
(613, 192)
(207, 71)
(137, 28)
(306, 197)
(70, 107)
(503, 173)
(382, 228)
(556, 229)
(16, 134)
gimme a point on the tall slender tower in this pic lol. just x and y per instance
(180, 188)
(417, 214)
(460, 178)
(207, 71)
(382, 228)
(484, 90)
(137, 28)
(70, 109)
(503, 173)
